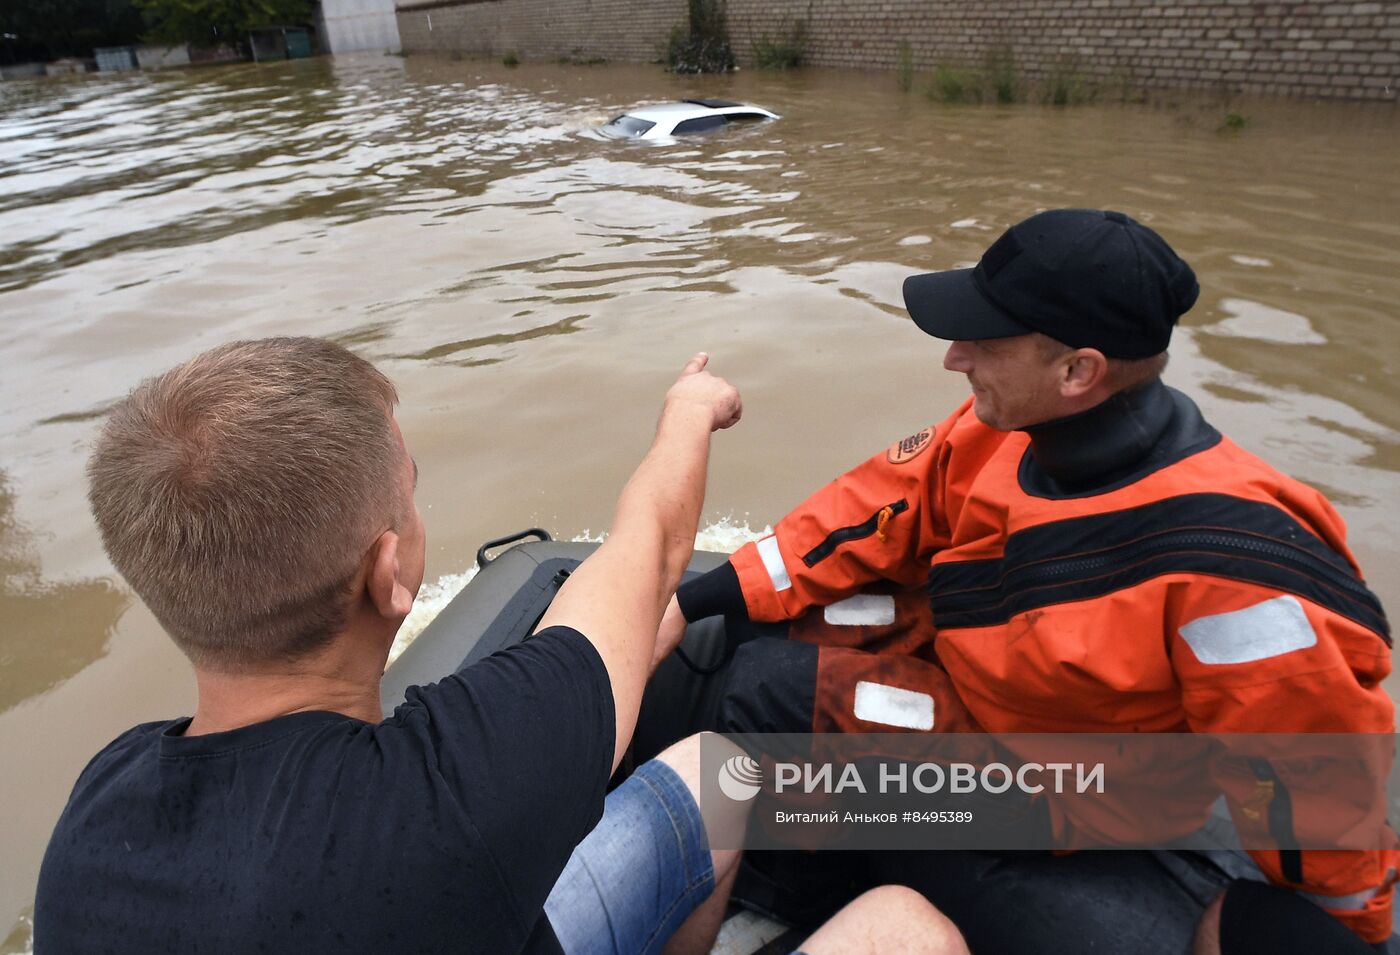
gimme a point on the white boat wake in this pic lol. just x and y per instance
(725, 536)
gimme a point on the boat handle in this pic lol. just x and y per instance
(536, 532)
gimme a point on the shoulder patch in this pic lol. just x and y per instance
(911, 447)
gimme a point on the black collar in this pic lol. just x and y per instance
(1132, 433)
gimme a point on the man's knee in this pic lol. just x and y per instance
(725, 819)
(890, 918)
(684, 758)
(904, 906)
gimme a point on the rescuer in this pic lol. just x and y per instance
(1073, 550)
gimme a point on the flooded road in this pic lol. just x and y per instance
(533, 289)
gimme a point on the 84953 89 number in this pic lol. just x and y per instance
(940, 816)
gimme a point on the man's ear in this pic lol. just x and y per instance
(1084, 370)
(392, 599)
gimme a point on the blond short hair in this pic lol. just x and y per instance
(239, 492)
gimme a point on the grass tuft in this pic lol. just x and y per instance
(904, 68)
(1066, 85)
(783, 53)
(1003, 82)
(954, 84)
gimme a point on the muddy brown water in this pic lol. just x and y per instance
(532, 289)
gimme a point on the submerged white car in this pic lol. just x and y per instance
(679, 119)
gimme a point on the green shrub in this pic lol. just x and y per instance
(1233, 121)
(511, 58)
(1003, 82)
(904, 68)
(785, 52)
(1066, 85)
(954, 84)
(576, 57)
(702, 44)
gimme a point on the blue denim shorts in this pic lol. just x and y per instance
(639, 874)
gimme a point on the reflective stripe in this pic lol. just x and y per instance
(877, 703)
(876, 610)
(1354, 902)
(773, 563)
(1267, 629)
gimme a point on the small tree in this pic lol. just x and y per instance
(701, 45)
(219, 22)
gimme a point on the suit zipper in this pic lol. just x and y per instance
(855, 532)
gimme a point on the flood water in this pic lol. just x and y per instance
(533, 289)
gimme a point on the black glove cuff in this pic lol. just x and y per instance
(708, 595)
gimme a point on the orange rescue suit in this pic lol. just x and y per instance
(1210, 595)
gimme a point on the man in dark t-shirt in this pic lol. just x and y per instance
(259, 498)
(439, 829)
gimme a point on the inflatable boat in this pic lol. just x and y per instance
(1128, 901)
(501, 605)
(498, 608)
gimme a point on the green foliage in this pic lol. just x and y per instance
(904, 67)
(219, 22)
(1002, 80)
(702, 44)
(785, 52)
(1233, 121)
(954, 84)
(999, 80)
(1123, 84)
(511, 58)
(49, 29)
(1066, 85)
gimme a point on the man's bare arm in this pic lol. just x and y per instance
(616, 597)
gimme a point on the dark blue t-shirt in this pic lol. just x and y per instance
(441, 829)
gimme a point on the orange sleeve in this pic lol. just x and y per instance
(879, 521)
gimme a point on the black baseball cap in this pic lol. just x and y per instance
(1084, 277)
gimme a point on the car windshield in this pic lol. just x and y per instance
(627, 126)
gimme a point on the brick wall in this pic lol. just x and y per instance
(1313, 49)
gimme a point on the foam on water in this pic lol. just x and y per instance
(727, 535)
(431, 599)
(724, 536)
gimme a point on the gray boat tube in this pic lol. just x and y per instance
(499, 607)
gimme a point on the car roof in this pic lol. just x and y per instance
(664, 111)
(712, 103)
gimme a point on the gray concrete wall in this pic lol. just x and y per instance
(160, 57)
(1300, 48)
(349, 26)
